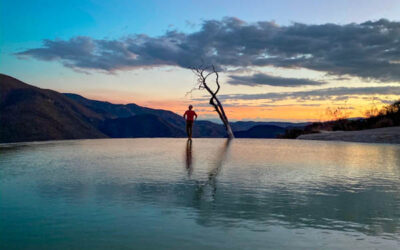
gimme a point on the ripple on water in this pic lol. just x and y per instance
(212, 193)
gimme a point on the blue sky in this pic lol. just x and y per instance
(25, 24)
(24, 21)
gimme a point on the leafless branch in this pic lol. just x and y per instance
(214, 101)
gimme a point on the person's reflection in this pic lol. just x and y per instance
(213, 173)
(189, 167)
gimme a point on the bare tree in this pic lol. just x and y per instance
(202, 73)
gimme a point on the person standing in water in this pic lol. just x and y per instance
(190, 117)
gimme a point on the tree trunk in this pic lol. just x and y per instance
(214, 101)
(220, 110)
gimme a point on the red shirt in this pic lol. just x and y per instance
(190, 114)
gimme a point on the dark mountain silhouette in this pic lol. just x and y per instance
(28, 113)
(143, 125)
(245, 125)
(111, 111)
(261, 131)
(176, 122)
(208, 129)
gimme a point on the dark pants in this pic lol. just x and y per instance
(189, 127)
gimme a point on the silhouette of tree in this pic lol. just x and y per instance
(203, 73)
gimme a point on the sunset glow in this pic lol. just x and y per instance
(275, 62)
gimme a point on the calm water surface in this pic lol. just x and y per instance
(211, 194)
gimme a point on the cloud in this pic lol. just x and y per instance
(265, 79)
(318, 94)
(369, 50)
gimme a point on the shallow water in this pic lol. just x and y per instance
(211, 194)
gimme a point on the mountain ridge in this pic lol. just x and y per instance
(29, 113)
(260, 131)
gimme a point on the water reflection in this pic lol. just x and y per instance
(188, 161)
(251, 185)
(211, 182)
(343, 201)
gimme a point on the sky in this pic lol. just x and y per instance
(286, 60)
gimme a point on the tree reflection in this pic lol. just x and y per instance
(211, 182)
(369, 205)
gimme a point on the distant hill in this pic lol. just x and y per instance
(143, 125)
(28, 113)
(245, 125)
(110, 111)
(261, 131)
(208, 129)
(176, 122)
